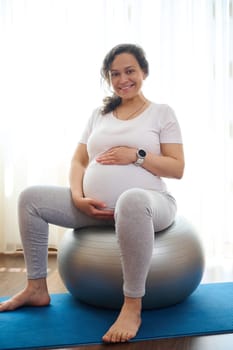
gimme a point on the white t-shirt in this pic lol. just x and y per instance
(157, 124)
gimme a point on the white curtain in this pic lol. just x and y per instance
(50, 57)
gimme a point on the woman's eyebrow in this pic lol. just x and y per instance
(116, 70)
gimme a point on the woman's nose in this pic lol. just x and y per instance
(123, 77)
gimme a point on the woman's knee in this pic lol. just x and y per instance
(134, 201)
(27, 196)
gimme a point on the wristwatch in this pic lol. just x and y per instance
(141, 154)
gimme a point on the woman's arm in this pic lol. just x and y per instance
(169, 164)
(79, 163)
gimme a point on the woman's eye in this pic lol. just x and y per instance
(114, 74)
(129, 71)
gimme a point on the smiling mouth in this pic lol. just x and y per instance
(125, 88)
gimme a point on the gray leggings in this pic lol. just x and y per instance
(138, 215)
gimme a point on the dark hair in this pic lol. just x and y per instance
(111, 102)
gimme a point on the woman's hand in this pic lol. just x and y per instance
(169, 164)
(93, 208)
(121, 155)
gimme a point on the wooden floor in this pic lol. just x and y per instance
(13, 277)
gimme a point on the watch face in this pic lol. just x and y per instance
(141, 153)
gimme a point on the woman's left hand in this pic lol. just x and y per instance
(121, 155)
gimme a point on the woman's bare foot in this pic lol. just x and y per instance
(127, 323)
(35, 294)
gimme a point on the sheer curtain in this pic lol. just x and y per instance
(50, 57)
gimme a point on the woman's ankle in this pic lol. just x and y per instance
(133, 303)
(37, 284)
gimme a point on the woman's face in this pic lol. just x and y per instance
(126, 76)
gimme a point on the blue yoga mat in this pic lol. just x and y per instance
(67, 322)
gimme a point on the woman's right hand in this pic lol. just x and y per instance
(93, 208)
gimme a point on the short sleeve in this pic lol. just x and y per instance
(170, 131)
(89, 127)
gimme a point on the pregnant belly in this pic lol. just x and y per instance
(105, 183)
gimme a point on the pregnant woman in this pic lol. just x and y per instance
(116, 178)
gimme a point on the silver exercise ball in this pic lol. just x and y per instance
(89, 265)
